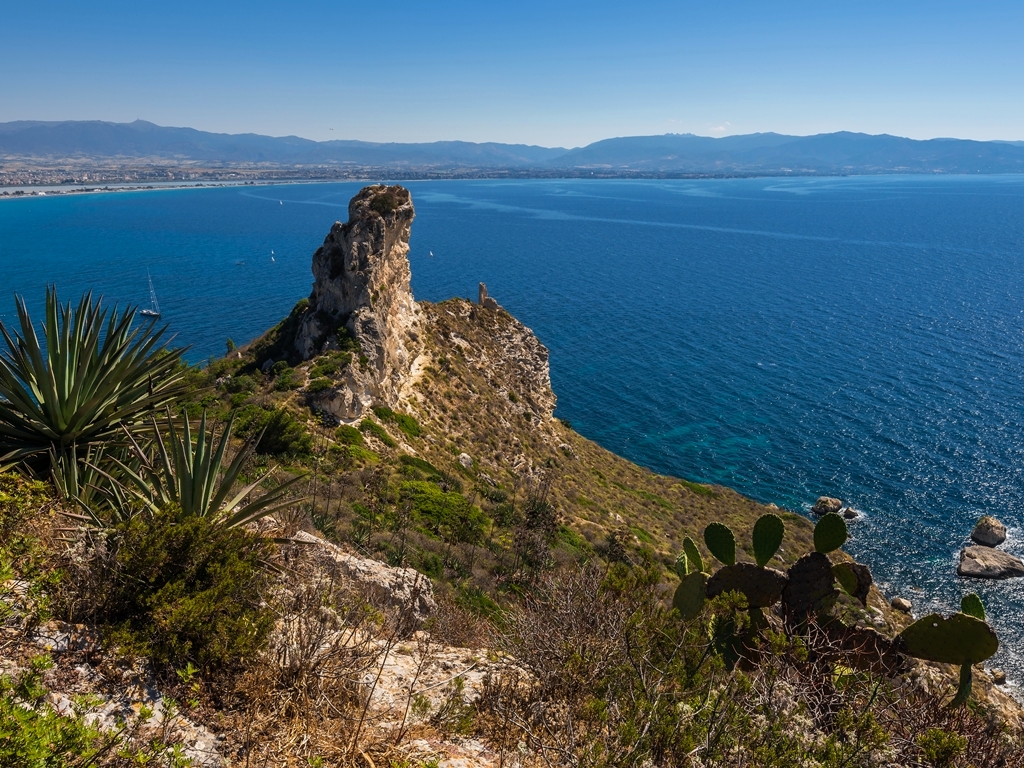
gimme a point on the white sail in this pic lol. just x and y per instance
(154, 305)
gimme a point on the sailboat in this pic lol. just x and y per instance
(154, 308)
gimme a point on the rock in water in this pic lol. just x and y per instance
(988, 563)
(826, 504)
(989, 532)
(361, 283)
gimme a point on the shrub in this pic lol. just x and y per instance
(375, 429)
(284, 435)
(386, 202)
(348, 435)
(180, 591)
(362, 455)
(324, 368)
(421, 464)
(403, 421)
(319, 384)
(241, 383)
(40, 739)
(448, 514)
(286, 380)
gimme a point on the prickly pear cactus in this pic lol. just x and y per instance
(768, 532)
(761, 586)
(830, 533)
(691, 594)
(693, 554)
(971, 605)
(846, 577)
(811, 585)
(960, 639)
(721, 542)
(855, 579)
(682, 565)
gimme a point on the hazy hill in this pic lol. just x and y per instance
(842, 152)
(142, 140)
(757, 154)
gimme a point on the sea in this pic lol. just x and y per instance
(858, 337)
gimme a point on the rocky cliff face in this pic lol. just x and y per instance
(362, 284)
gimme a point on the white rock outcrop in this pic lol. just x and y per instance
(361, 283)
(404, 589)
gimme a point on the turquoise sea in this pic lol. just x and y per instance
(858, 337)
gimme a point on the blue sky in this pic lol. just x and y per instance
(551, 73)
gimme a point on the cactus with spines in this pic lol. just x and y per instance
(812, 578)
(767, 538)
(721, 542)
(692, 590)
(693, 556)
(760, 585)
(964, 638)
(971, 605)
(830, 533)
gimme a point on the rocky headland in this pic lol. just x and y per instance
(469, 582)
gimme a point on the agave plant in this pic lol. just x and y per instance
(88, 377)
(190, 475)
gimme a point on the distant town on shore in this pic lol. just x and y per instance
(96, 153)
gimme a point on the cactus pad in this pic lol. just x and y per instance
(761, 586)
(960, 639)
(682, 566)
(693, 554)
(830, 533)
(721, 542)
(768, 532)
(690, 594)
(846, 577)
(971, 605)
(811, 585)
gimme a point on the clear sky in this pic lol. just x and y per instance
(541, 72)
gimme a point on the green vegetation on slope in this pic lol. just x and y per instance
(541, 544)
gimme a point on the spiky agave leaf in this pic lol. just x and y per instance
(191, 474)
(88, 376)
(84, 479)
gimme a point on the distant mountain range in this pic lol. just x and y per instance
(754, 154)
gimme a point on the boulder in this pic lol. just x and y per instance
(404, 590)
(989, 532)
(849, 513)
(988, 563)
(466, 460)
(826, 504)
(902, 604)
(998, 677)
